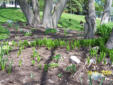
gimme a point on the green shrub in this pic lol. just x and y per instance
(104, 30)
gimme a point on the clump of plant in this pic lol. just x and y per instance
(9, 69)
(29, 33)
(49, 30)
(35, 55)
(46, 67)
(104, 30)
(102, 57)
(53, 65)
(57, 57)
(71, 68)
(20, 62)
(60, 75)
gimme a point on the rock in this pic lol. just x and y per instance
(9, 21)
(74, 59)
(95, 48)
(51, 81)
(92, 61)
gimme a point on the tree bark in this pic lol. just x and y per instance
(106, 14)
(109, 43)
(52, 13)
(31, 13)
(90, 25)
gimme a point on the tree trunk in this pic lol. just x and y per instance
(15, 3)
(106, 14)
(31, 13)
(109, 43)
(52, 13)
(90, 25)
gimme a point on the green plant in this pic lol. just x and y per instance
(19, 52)
(93, 52)
(49, 30)
(20, 62)
(71, 68)
(111, 55)
(60, 75)
(10, 67)
(102, 57)
(33, 62)
(45, 67)
(57, 57)
(29, 33)
(68, 47)
(53, 65)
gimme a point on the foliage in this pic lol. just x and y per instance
(49, 30)
(104, 30)
(71, 68)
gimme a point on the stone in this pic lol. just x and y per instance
(92, 61)
(74, 59)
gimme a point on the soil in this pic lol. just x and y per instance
(28, 74)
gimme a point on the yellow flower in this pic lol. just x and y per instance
(107, 72)
(90, 72)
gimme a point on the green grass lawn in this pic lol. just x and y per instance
(70, 21)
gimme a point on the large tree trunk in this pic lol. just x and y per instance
(53, 13)
(31, 13)
(109, 43)
(106, 14)
(90, 25)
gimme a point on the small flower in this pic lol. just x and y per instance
(107, 72)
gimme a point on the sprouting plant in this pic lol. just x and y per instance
(3, 63)
(71, 68)
(20, 62)
(38, 58)
(93, 52)
(33, 62)
(111, 55)
(60, 75)
(68, 47)
(102, 57)
(29, 33)
(57, 57)
(19, 52)
(88, 60)
(45, 67)
(53, 65)
(10, 67)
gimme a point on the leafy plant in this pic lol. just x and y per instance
(53, 65)
(29, 33)
(20, 62)
(10, 67)
(102, 57)
(71, 68)
(57, 57)
(60, 75)
(45, 67)
(50, 31)
(33, 62)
